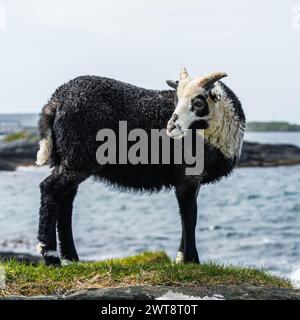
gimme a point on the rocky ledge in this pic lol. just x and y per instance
(269, 155)
(23, 152)
(146, 292)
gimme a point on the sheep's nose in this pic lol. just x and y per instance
(171, 123)
(171, 127)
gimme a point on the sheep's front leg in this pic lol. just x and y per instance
(187, 200)
(64, 228)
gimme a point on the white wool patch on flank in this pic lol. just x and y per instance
(45, 151)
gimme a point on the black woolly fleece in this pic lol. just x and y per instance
(80, 108)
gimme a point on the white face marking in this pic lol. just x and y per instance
(225, 131)
(185, 118)
(186, 91)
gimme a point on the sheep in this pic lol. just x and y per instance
(75, 113)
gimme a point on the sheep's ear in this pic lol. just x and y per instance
(173, 84)
(215, 94)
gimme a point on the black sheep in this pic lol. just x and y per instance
(69, 124)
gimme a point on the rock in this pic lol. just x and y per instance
(154, 292)
(16, 153)
(268, 155)
(6, 166)
(20, 257)
(147, 292)
(19, 150)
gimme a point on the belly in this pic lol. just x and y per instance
(140, 177)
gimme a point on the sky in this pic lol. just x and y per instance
(257, 42)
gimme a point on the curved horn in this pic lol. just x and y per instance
(184, 74)
(207, 81)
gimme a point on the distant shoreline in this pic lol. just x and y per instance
(273, 126)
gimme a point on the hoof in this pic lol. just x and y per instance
(188, 257)
(52, 261)
(51, 258)
(192, 260)
(66, 262)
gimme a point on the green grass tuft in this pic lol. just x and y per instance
(20, 135)
(145, 268)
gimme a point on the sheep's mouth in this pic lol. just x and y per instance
(175, 134)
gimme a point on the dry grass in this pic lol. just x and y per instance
(145, 268)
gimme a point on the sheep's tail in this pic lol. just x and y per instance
(46, 120)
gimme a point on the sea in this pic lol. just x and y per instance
(251, 218)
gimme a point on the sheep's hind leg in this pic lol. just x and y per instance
(52, 190)
(68, 251)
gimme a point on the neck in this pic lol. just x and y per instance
(226, 129)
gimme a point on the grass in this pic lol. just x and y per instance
(20, 135)
(145, 268)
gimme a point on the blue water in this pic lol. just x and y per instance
(250, 218)
(18, 120)
(274, 137)
(253, 218)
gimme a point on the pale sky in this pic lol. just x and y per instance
(257, 42)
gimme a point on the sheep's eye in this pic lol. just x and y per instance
(200, 107)
(198, 103)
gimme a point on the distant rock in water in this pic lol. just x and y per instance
(20, 257)
(17, 153)
(23, 152)
(269, 155)
(6, 166)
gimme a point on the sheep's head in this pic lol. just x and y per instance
(193, 108)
